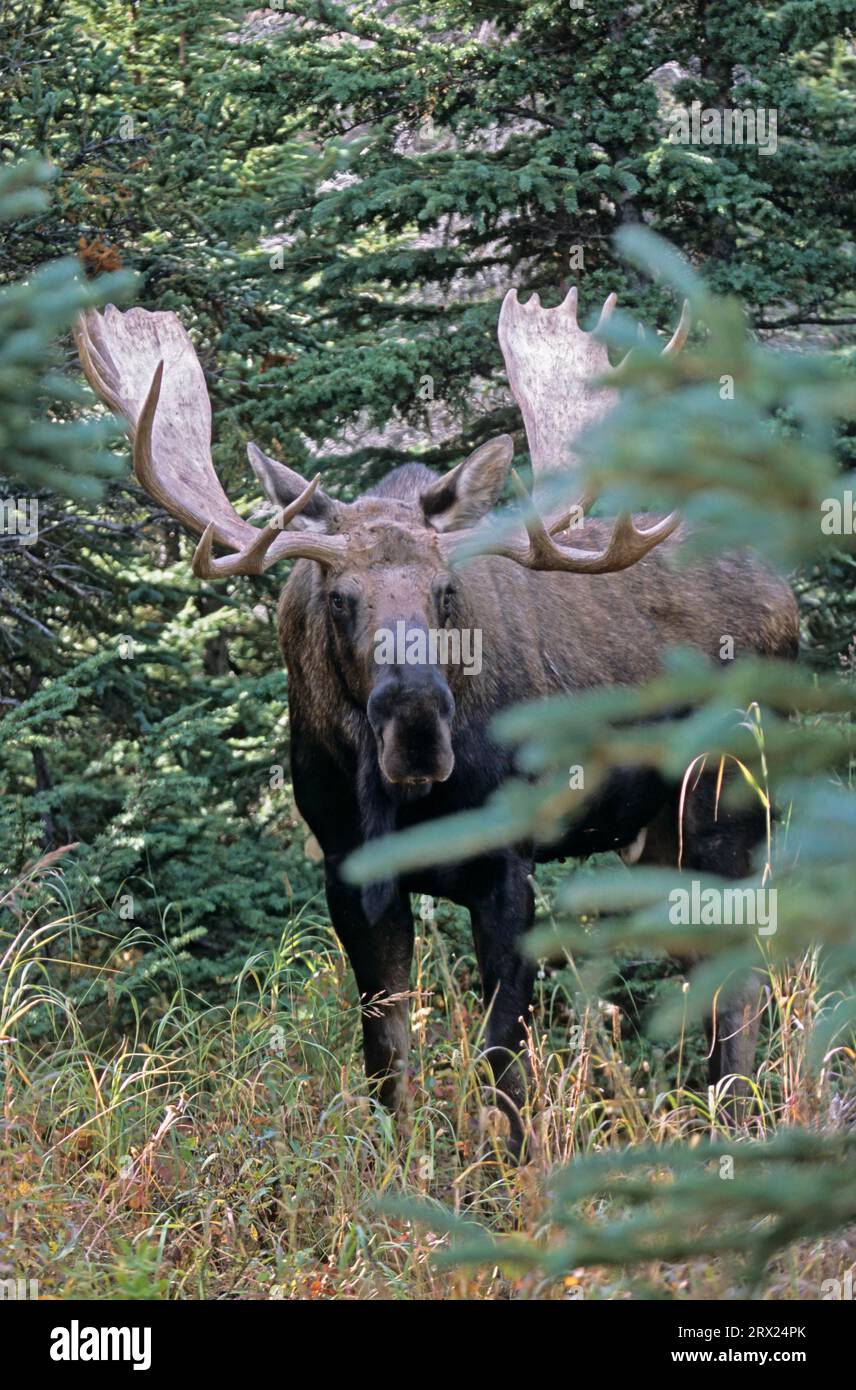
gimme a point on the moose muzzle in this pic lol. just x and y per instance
(410, 711)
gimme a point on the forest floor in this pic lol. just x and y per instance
(188, 1150)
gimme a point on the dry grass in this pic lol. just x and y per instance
(231, 1152)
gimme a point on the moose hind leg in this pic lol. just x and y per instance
(380, 954)
(722, 842)
(732, 1038)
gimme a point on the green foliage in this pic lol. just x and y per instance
(37, 451)
(513, 146)
(182, 830)
(745, 1201)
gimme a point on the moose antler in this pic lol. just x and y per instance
(144, 367)
(554, 370)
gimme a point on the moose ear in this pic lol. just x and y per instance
(283, 486)
(471, 489)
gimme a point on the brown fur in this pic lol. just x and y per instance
(543, 633)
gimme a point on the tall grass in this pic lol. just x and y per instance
(186, 1149)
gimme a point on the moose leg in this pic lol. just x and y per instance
(721, 841)
(380, 954)
(732, 1036)
(501, 910)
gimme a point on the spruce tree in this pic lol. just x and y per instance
(506, 145)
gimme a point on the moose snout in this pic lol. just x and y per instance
(410, 712)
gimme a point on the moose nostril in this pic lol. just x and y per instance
(381, 705)
(447, 702)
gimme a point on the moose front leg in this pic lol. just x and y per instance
(502, 909)
(380, 954)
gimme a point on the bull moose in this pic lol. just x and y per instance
(379, 745)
